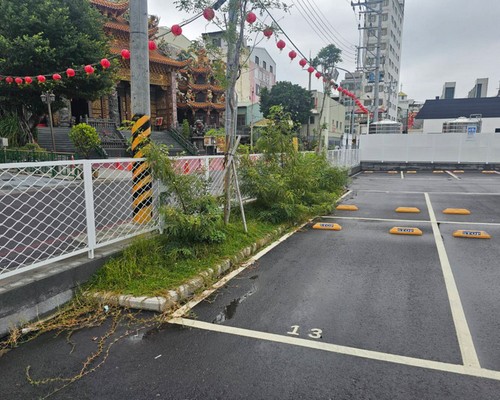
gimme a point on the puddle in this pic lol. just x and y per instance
(254, 277)
(230, 310)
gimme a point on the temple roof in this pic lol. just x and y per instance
(121, 8)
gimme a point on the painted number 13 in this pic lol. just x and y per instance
(314, 333)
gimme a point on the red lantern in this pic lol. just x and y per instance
(281, 44)
(56, 77)
(19, 81)
(125, 54)
(318, 75)
(339, 88)
(28, 80)
(70, 72)
(209, 13)
(89, 69)
(310, 70)
(9, 79)
(105, 63)
(151, 45)
(41, 78)
(176, 30)
(268, 32)
(251, 17)
(292, 54)
(303, 62)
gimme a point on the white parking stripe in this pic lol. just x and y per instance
(411, 192)
(424, 221)
(464, 337)
(453, 175)
(333, 348)
(402, 175)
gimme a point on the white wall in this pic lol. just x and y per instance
(436, 125)
(446, 147)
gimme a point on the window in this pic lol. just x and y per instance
(217, 42)
(311, 119)
(368, 89)
(271, 69)
(257, 90)
(257, 61)
(264, 65)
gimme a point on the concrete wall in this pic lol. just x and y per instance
(449, 147)
(436, 125)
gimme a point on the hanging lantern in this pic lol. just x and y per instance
(19, 81)
(125, 54)
(28, 80)
(318, 75)
(105, 63)
(209, 13)
(56, 77)
(89, 69)
(251, 17)
(280, 44)
(292, 54)
(303, 62)
(176, 30)
(70, 72)
(9, 79)
(268, 32)
(151, 45)
(310, 70)
(339, 88)
(41, 78)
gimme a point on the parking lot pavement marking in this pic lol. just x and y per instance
(415, 192)
(469, 223)
(333, 348)
(453, 175)
(467, 349)
(402, 175)
(381, 219)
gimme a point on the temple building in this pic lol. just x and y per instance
(200, 97)
(163, 72)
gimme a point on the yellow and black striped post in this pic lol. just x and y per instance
(142, 179)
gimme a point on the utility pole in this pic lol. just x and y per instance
(370, 10)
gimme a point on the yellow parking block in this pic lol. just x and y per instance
(411, 172)
(392, 172)
(347, 207)
(397, 230)
(438, 172)
(458, 171)
(462, 233)
(327, 226)
(407, 210)
(489, 172)
(368, 172)
(456, 211)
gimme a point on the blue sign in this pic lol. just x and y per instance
(471, 130)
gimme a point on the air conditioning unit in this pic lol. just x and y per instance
(4, 142)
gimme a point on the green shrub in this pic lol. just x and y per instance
(287, 185)
(85, 139)
(10, 128)
(186, 129)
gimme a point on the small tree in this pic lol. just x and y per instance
(85, 139)
(293, 98)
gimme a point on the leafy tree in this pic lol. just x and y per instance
(293, 98)
(231, 18)
(85, 139)
(42, 37)
(325, 62)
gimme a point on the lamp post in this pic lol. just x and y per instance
(352, 103)
(48, 98)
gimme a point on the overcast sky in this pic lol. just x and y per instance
(443, 40)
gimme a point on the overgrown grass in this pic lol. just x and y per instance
(150, 267)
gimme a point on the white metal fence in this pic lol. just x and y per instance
(53, 210)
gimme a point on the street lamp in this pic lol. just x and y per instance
(48, 98)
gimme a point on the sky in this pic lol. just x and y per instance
(443, 40)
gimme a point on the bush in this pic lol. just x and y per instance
(289, 186)
(186, 129)
(10, 128)
(85, 139)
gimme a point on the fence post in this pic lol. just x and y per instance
(206, 161)
(89, 206)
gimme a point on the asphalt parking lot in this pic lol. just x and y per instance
(358, 313)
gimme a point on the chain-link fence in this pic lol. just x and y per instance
(56, 209)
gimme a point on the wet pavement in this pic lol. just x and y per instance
(351, 314)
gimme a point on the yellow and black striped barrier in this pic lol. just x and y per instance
(143, 182)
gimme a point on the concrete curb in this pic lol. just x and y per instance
(186, 291)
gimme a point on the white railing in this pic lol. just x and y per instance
(50, 211)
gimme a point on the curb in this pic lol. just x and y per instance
(186, 291)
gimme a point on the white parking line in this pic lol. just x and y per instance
(402, 175)
(333, 348)
(378, 219)
(464, 337)
(413, 192)
(453, 175)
